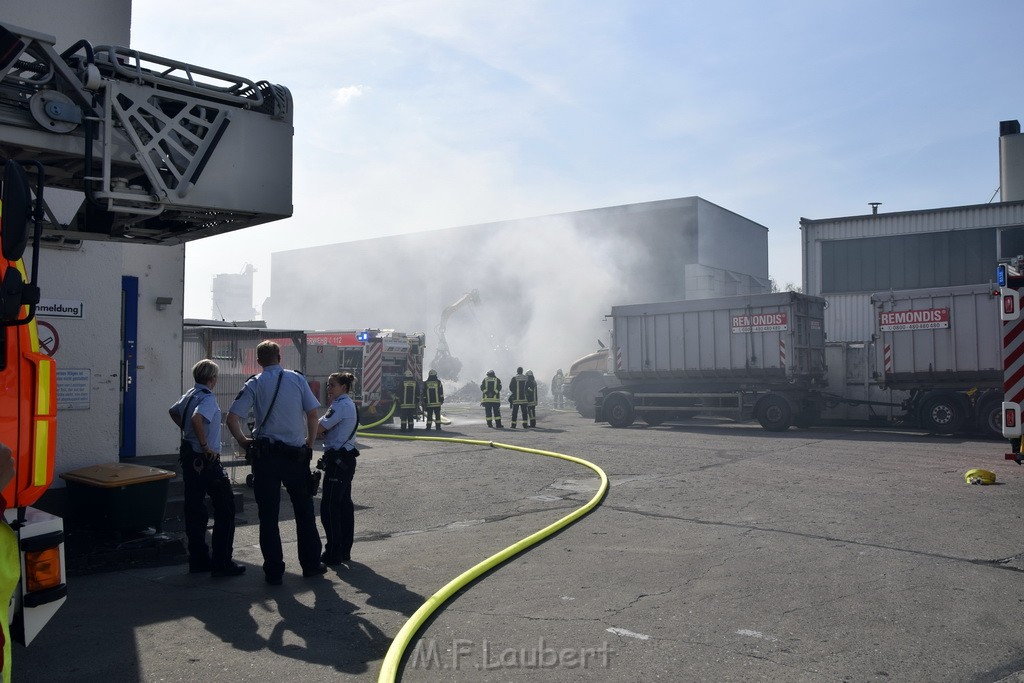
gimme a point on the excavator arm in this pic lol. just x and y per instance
(447, 365)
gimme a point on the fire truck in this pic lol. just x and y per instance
(108, 143)
(378, 358)
(1010, 280)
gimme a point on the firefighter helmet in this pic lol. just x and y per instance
(529, 373)
(977, 476)
(408, 373)
(490, 373)
(432, 373)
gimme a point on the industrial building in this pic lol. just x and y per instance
(545, 283)
(847, 259)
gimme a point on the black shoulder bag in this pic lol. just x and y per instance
(260, 447)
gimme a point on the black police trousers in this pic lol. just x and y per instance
(270, 472)
(337, 511)
(203, 478)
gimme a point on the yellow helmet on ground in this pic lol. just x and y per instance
(977, 476)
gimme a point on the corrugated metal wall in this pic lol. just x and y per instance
(233, 349)
(849, 316)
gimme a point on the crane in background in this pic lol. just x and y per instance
(447, 365)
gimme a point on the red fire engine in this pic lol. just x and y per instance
(379, 360)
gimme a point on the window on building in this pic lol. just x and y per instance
(933, 259)
(1011, 242)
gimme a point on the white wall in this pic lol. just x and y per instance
(90, 434)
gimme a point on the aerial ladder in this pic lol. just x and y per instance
(447, 365)
(109, 143)
(150, 150)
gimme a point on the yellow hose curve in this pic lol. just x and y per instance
(380, 421)
(389, 669)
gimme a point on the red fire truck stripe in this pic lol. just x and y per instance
(1013, 386)
(373, 370)
(1013, 361)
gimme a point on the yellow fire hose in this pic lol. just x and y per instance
(444, 420)
(389, 669)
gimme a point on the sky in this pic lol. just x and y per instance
(414, 115)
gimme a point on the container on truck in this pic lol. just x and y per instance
(759, 356)
(943, 346)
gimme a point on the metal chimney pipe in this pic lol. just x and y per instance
(874, 207)
(1011, 162)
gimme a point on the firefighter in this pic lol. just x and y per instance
(407, 401)
(531, 399)
(491, 401)
(517, 398)
(433, 397)
(558, 389)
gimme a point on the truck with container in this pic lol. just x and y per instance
(112, 144)
(759, 356)
(942, 347)
(934, 361)
(379, 359)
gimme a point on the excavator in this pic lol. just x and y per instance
(447, 365)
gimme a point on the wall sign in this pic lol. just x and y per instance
(73, 388)
(60, 308)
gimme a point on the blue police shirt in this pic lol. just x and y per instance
(287, 420)
(200, 401)
(339, 422)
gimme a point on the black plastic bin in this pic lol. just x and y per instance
(118, 497)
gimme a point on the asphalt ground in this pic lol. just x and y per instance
(721, 553)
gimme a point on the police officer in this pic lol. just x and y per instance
(433, 397)
(558, 389)
(531, 399)
(517, 397)
(407, 401)
(197, 414)
(491, 401)
(280, 450)
(338, 429)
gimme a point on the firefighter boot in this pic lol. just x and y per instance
(490, 424)
(499, 425)
(533, 423)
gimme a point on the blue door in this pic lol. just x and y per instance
(129, 362)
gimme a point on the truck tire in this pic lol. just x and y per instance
(618, 410)
(585, 389)
(774, 413)
(943, 413)
(989, 416)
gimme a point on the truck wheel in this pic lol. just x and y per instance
(584, 392)
(989, 420)
(943, 414)
(618, 410)
(774, 413)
